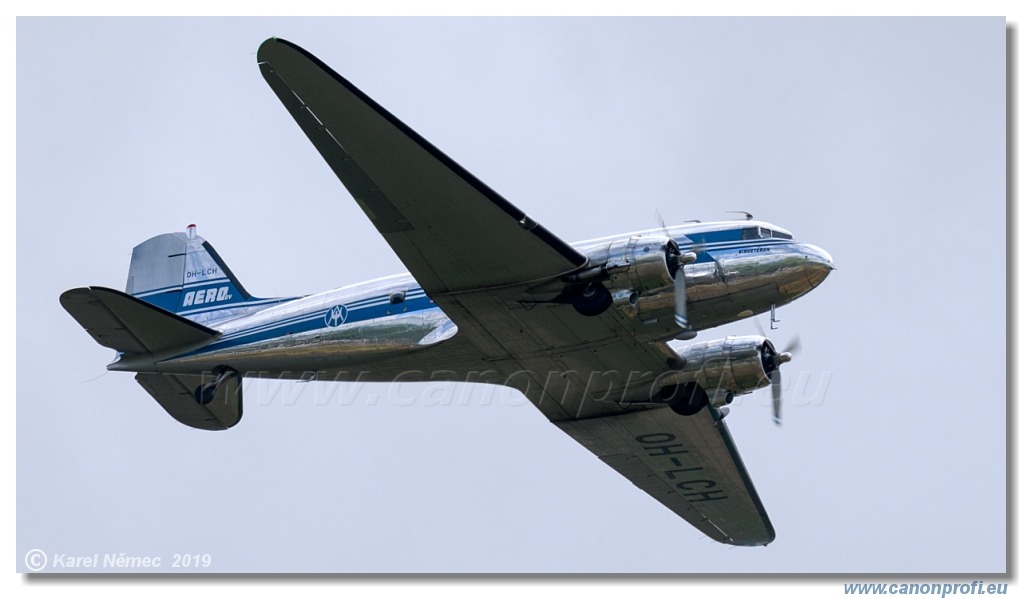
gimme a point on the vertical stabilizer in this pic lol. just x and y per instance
(182, 273)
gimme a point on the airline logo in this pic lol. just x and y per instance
(336, 316)
(203, 296)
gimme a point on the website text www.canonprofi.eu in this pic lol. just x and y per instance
(973, 588)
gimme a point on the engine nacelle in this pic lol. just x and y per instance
(642, 264)
(725, 367)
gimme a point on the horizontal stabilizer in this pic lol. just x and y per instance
(129, 325)
(207, 402)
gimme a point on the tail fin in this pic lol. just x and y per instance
(182, 273)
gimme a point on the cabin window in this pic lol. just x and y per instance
(396, 298)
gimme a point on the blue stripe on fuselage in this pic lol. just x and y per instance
(706, 249)
(358, 311)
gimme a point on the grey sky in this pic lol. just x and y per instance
(880, 140)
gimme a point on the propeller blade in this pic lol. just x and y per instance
(777, 359)
(680, 288)
(661, 221)
(760, 329)
(680, 292)
(777, 397)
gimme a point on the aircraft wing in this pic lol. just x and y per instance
(475, 254)
(592, 379)
(689, 464)
(451, 230)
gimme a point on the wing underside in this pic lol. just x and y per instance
(594, 382)
(688, 464)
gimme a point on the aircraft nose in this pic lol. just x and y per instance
(818, 264)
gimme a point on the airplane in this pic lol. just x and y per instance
(492, 296)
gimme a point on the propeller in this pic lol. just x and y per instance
(680, 288)
(772, 361)
(676, 260)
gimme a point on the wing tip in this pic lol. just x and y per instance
(276, 44)
(71, 295)
(269, 45)
(757, 540)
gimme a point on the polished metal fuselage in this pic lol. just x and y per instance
(743, 268)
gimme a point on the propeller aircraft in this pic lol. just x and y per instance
(492, 296)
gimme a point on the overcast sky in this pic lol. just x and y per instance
(882, 141)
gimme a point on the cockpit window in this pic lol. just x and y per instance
(754, 232)
(761, 232)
